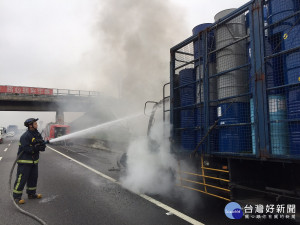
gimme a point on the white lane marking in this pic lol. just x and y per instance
(171, 210)
(146, 197)
(80, 163)
(8, 145)
(0, 158)
(77, 153)
(5, 149)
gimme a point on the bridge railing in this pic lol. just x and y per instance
(45, 92)
(75, 92)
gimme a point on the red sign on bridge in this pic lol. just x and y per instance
(26, 90)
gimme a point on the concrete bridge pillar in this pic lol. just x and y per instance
(60, 117)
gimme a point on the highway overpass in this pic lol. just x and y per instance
(41, 99)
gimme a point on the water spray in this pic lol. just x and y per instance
(93, 129)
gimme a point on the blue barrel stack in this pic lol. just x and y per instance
(292, 76)
(198, 56)
(285, 35)
(187, 97)
(234, 134)
(274, 78)
(232, 112)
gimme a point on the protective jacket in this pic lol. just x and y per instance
(31, 142)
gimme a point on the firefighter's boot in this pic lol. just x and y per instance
(35, 196)
(19, 201)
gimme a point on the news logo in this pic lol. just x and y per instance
(233, 211)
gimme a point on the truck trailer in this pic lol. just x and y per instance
(234, 103)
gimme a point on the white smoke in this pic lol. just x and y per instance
(136, 37)
(151, 168)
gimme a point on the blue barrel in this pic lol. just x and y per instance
(274, 66)
(292, 76)
(292, 60)
(187, 93)
(214, 134)
(186, 76)
(187, 120)
(200, 116)
(235, 138)
(293, 110)
(197, 29)
(278, 125)
(188, 141)
(198, 46)
(201, 132)
(278, 10)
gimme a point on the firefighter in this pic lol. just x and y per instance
(31, 143)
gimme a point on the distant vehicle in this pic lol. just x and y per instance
(12, 128)
(53, 130)
(10, 134)
(2, 133)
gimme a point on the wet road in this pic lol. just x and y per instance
(79, 187)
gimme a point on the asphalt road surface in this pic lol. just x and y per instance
(80, 186)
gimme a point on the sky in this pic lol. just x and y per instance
(117, 47)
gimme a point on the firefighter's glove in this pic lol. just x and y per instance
(39, 146)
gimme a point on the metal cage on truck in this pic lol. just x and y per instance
(235, 102)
